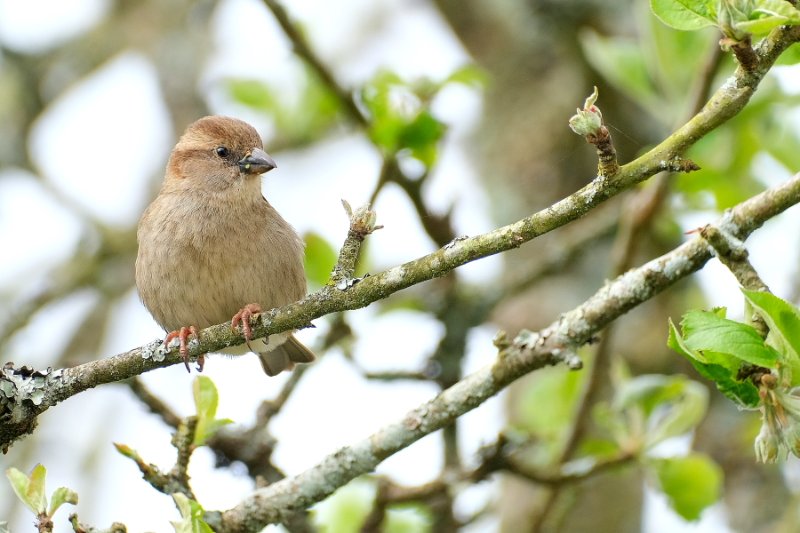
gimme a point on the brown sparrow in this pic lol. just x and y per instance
(211, 247)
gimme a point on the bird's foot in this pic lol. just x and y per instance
(243, 318)
(183, 337)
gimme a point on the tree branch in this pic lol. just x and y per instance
(24, 393)
(302, 49)
(529, 351)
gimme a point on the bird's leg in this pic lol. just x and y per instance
(243, 317)
(183, 336)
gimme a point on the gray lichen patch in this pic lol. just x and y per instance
(155, 350)
(20, 384)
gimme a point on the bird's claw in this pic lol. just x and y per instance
(243, 318)
(183, 337)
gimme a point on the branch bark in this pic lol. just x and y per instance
(529, 351)
(24, 393)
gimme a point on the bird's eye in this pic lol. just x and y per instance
(222, 151)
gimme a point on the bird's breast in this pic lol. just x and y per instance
(199, 264)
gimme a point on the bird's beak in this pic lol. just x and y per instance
(256, 161)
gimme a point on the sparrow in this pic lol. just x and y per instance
(213, 249)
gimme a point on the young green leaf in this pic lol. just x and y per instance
(191, 516)
(690, 483)
(715, 337)
(783, 320)
(683, 14)
(762, 25)
(206, 400)
(30, 489)
(779, 8)
(61, 496)
(723, 372)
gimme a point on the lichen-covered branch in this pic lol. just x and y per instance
(527, 352)
(362, 223)
(732, 253)
(24, 394)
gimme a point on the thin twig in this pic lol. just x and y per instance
(155, 404)
(302, 49)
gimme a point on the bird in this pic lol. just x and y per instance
(213, 249)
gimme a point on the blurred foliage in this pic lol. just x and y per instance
(559, 389)
(691, 483)
(311, 112)
(347, 509)
(729, 155)
(654, 70)
(319, 260)
(644, 412)
(191, 516)
(400, 116)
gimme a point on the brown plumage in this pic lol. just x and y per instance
(211, 247)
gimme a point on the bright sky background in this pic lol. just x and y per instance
(334, 406)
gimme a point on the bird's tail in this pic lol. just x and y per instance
(285, 356)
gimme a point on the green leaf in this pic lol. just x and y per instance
(470, 75)
(790, 56)
(206, 399)
(671, 405)
(61, 496)
(690, 483)
(191, 516)
(718, 338)
(683, 14)
(301, 119)
(559, 389)
(761, 26)
(783, 320)
(252, 93)
(724, 376)
(30, 489)
(779, 8)
(743, 393)
(320, 258)
(399, 118)
(421, 137)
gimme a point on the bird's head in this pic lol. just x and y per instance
(216, 153)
